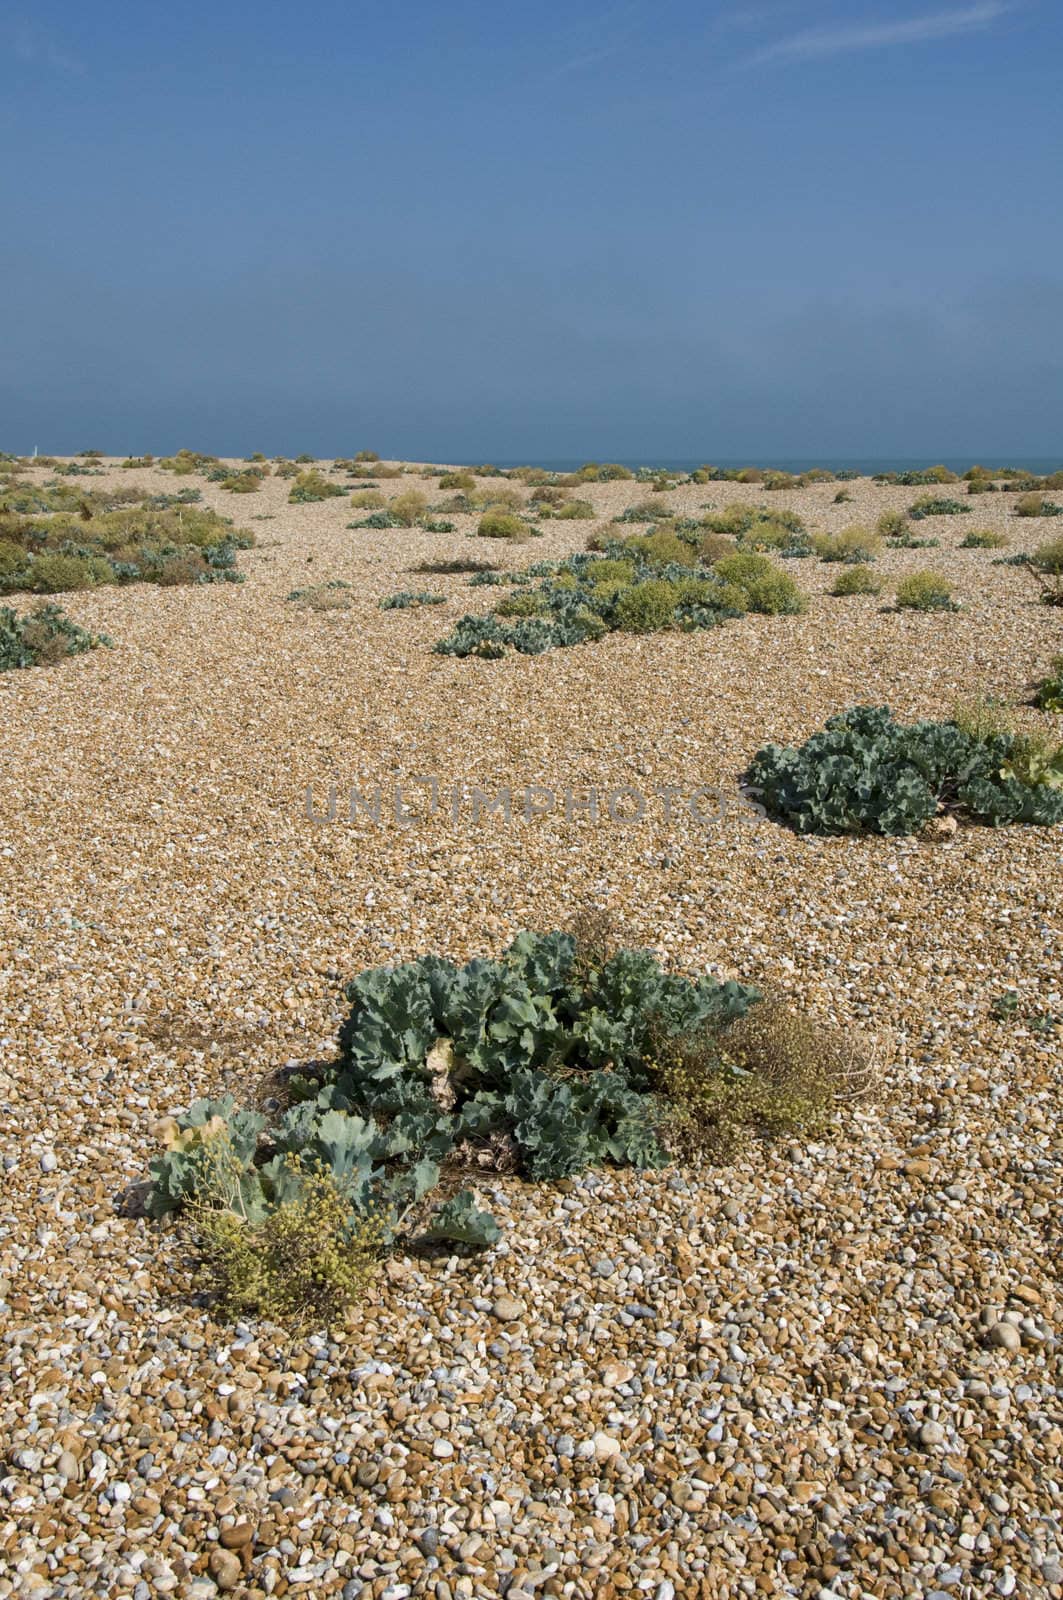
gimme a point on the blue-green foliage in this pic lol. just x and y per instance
(575, 608)
(536, 1046)
(864, 772)
(405, 598)
(42, 636)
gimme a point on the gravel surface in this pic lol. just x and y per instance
(829, 1369)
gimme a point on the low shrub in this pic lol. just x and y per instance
(575, 511)
(783, 533)
(646, 607)
(457, 480)
(334, 595)
(1048, 695)
(1046, 565)
(364, 455)
(408, 508)
(661, 548)
(311, 486)
(929, 505)
(368, 500)
(733, 519)
(892, 524)
(521, 604)
(857, 580)
(502, 525)
(843, 497)
(766, 587)
(1036, 505)
(42, 637)
(850, 545)
(865, 773)
(925, 591)
(984, 539)
(406, 598)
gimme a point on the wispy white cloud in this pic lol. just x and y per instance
(812, 44)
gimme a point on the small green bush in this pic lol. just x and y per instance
(851, 545)
(407, 598)
(312, 486)
(368, 500)
(362, 456)
(575, 511)
(1048, 695)
(857, 580)
(661, 548)
(502, 525)
(766, 587)
(52, 573)
(892, 524)
(521, 605)
(929, 505)
(1046, 564)
(925, 591)
(646, 607)
(42, 638)
(457, 480)
(408, 508)
(1036, 505)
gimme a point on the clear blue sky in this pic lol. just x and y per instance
(475, 229)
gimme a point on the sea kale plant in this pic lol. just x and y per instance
(865, 773)
(42, 637)
(564, 1053)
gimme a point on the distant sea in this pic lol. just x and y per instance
(867, 466)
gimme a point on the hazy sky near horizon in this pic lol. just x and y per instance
(483, 230)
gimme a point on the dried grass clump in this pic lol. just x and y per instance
(771, 1072)
(305, 1263)
(408, 508)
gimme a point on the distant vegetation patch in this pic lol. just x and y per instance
(176, 545)
(641, 585)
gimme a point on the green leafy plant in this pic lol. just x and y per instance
(929, 505)
(1036, 505)
(311, 486)
(405, 598)
(42, 638)
(568, 1051)
(984, 539)
(925, 591)
(1048, 695)
(851, 545)
(63, 551)
(1046, 565)
(502, 525)
(588, 595)
(857, 580)
(864, 773)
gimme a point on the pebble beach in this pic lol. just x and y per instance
(829, 1370)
